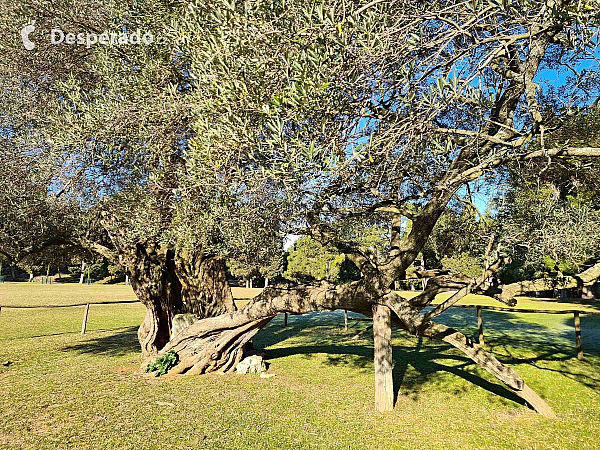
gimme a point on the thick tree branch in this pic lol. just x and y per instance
(504, 157)
(486, 360)
(507, 293)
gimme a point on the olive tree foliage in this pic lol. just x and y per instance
(47, 192)
(550, 218)
(383, 110)
(560, 234)
(459, 239)
(98, 142)
(266, 262)
(308, 260)
(32, 223)
(362, 114)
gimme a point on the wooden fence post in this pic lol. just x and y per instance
(480, 326)
(285, 319)
(577, 324)
(85, 316)
(384, 383)
(345, 320)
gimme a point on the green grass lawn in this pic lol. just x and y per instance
(66, 390)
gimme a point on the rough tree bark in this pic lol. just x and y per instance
(204, 288)
(218, 343)
(169, 284)
(507, 292)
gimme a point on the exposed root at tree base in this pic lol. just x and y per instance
(213, 351)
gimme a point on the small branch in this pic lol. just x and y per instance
(486, 261)
(472, 205)
(463, 292)
(367, 6)
(362, 333)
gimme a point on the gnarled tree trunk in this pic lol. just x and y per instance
(204, 288)
(218, 343)
(168, 284)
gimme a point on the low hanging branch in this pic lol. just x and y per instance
(507, 293)
(217, 343)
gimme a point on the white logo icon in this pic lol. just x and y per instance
(25, 32)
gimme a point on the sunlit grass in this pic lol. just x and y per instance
(68, 390)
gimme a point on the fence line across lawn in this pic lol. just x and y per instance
(87, 308)
(576, 319)
(576, 315)
(85, 314)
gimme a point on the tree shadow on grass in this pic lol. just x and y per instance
(315, 327)
(67, 279)
(425, 362)
(532, 332)
(119, 343)
(335, 354)
(323, 333)
(510, 339)
(431, 363)
(590, 333)
(509, 336)
(543, 341)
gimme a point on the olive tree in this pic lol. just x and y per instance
(269, 117)
(383, 110)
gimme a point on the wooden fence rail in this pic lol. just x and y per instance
(67, 306)
(532, 311)
(576, 316)
(576, 320)
(85, 313)
(87, 308)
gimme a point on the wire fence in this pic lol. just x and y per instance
(577, 313)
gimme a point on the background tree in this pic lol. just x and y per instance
(267, 264)
(310, 261)
(550, 216)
